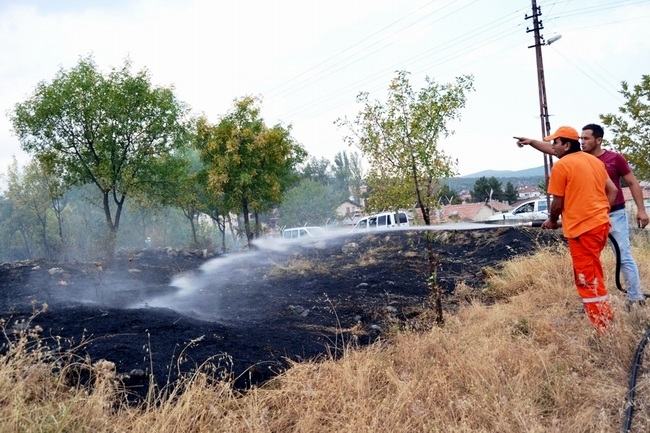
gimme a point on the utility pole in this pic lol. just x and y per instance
(541, 84)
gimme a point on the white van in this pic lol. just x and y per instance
(383, 220)
(301, 232)
(532, 210)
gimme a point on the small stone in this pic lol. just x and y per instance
(390, 309)
(54, 271)
(375, 328)
(137, 372)
(36, 268)
(362, 285)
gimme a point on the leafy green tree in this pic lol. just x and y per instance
(447, 195)
(109, 130)
(348, 174)
(309, 203)
(317, 169)
(631, 126)
(510, 194)
(486, 188)
(248, 163)
(400, 139)
(31, 202)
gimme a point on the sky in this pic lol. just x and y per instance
(307, 60)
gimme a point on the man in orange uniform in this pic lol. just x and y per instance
(582, 193)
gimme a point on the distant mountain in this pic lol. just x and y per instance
(529, 172)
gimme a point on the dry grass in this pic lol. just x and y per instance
(528, 363)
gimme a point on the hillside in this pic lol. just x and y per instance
(529, 172)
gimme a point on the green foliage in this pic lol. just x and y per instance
(486, 188)
(399, 137)
(309, 203)
(510, 193)
(109, 130)
(249, 164)
(631, 126)
(317, 169)
(447, 196)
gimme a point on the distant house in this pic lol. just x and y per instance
(526, 192)
(348, 212)
(464, 212)
(347, 209)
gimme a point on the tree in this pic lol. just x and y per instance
(309, 203)
(248, 163)
(510, 194)
(631, 127)
(109, 130)
(446, 195)
(487, 188)
(317, 169)
(400, 137)
(348, 174)
(400, 140)
(31, 202)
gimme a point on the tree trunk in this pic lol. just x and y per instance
(247, 223)
(46, 245)
(28, 249)
(223, 238)
(112, 223)
(235, 237)
(189, 214)
(257, 224)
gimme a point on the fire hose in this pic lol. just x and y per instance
(638, 353)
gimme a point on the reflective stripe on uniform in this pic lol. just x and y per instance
(596, 299)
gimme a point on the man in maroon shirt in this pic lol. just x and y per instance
(617, 168)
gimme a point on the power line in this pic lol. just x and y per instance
(339, 93)
(592, 9)
(586, 74)
(358, 43)
(466, 37)
(354, 58)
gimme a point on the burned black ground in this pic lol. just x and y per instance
(249, 316)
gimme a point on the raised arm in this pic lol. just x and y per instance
(542, 146)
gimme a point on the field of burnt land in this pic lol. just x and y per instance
(166, 312)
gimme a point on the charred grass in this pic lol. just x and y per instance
(525, 361)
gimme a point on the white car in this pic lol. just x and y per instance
(301, 232)
(384, 220)
(533, 210)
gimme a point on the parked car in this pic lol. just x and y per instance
(383, 220)
(532, 210)
(301, 232)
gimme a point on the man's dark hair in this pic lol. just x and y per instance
(597, 130)
(575, 145)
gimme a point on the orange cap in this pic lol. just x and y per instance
(564, 132)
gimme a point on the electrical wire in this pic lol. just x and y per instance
(466, 38)
(607, 89)
(356, 57)
(272, 90)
